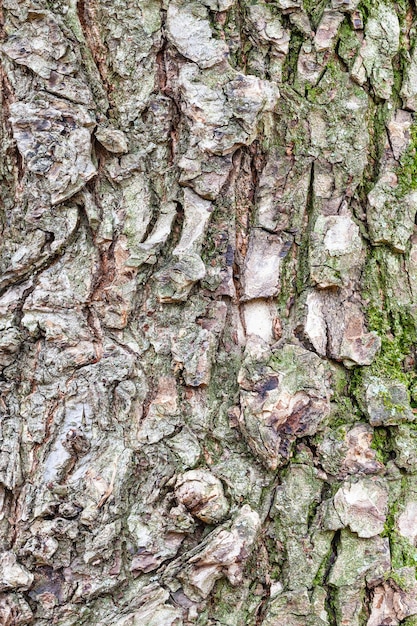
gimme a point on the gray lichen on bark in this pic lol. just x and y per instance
(208, 313)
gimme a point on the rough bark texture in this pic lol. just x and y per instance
(208, 313)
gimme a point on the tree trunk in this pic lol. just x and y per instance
(208, 313)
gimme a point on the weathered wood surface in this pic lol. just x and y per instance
(208, 313)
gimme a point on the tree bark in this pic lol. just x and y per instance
(208, 313)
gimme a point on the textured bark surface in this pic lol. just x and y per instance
(208, 313)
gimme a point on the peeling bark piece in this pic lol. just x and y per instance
(223, 553)
(157, 537)
(138, 214)
(293, 608)
(64, 285)
(336, 328)
(363, 506)
(315, 326)
(194, 351)
(406, 522)
(202, 48)
(395, 599)
(149, 559)
(42, 549)
(304, 556)
(60, 458)
(348, 6)
(301, 21)
(121, 168)
(391, 213)
(197, 213)
(113, 140)
(205, 174)
(278, 405)
(409, 87)
(336, 253)
(261, 272)
(146, 252)
(404, 442)
(224, 110)
(10, 342)
(337, 176)
(53, 136)
(386, 402)
(248, 96)
(391, 206)
(357, 346)
(358, 559)
(152, 609)
(359, 349)
(11, 475)
(30, 251)
(382, 40)
(289, 5)
(343, 452)
(10, 337)
(312, 57)
(176, 281)
(202, 494)
(399, 127)
(269, 27)
(162, 416)
(349, 605)
(12, 574)
(309, 67)
(41, 46)
(102, 545)
(113, 302)
(327, 29)
(102, 477)
(186, 447)
(282, 193)
(203, 99)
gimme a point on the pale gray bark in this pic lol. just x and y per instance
(208, 313)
